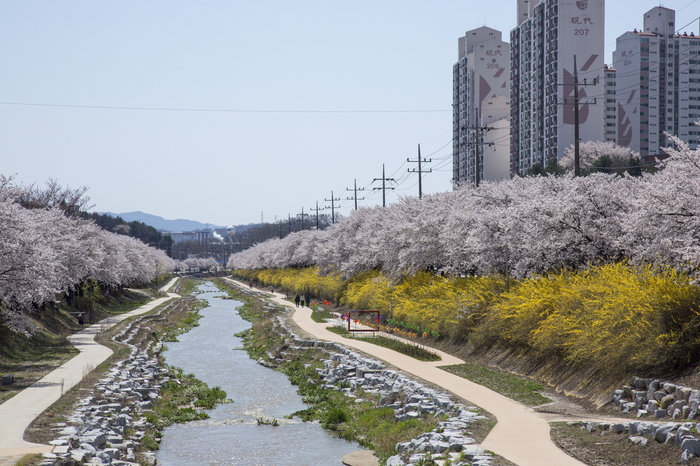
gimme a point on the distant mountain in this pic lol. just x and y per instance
(159, 223)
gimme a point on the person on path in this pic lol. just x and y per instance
(81, 320)
(296, 300)
(272, 289)
(307, 298)
(302, 300)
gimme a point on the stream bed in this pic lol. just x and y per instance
(232, 435)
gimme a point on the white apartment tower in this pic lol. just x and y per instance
(658, 84)
(610, 87)
(481, 100)
(550, 37)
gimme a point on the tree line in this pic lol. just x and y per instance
(515, 228)
(135, 229)
(48, 251)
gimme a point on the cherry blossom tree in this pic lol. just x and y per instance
(604, 156)
(516, 227)
(45, 250)
(663, 224)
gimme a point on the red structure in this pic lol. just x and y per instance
(376, 320)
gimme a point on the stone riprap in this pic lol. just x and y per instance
(642, 432)
(350, 372)
(658, 399)
(107, 427)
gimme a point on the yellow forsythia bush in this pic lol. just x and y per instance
(615, 317)
(452, 306)
(295, 281)
(369, 291)
(448, 306)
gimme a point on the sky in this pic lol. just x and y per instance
(232, 112)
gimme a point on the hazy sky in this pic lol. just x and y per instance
(218, 111)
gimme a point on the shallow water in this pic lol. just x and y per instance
(231, 436)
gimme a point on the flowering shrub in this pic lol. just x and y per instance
(615, 317)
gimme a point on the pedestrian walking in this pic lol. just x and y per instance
(296, 300)
(81, 320)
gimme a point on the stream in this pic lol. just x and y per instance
(232, 435)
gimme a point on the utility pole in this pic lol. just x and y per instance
(332, 201)
(577, 159)
(302, 217)
(290, 223)
(420, 172)
(577, 124)
(355, 198)
(316, 209)
(479, 143)
(383, 179)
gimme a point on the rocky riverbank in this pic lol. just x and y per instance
(109, 427)
(355, 375)
(660, 400)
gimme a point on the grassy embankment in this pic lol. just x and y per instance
(409, 349)
(373, 427)
(31, 358)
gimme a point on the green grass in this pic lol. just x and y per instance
(188, 286)
(514, 387)
(190, 321)
(408, 349)
(320, 315)
(180, 399)
(373, 427)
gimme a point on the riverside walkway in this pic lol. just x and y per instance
(521, 435)
(19, 411)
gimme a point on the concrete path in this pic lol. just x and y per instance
(521, 434)
(19, 411)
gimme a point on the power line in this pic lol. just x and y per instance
(214, 110)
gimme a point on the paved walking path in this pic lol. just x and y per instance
(521, 434)
(19, 411)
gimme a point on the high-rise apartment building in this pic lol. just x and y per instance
(481, 108)
(658, 84)
(555, 41)
(610, 87)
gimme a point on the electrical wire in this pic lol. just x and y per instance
(215, 110)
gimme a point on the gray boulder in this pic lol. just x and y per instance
(663, 432)
(691, 445)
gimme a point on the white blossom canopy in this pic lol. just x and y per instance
(520, 226)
